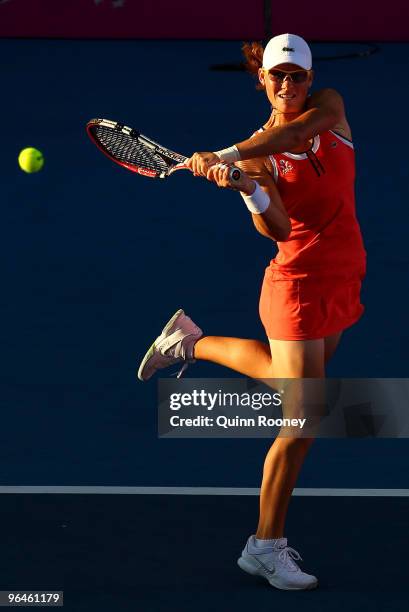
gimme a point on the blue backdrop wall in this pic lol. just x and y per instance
(95, 260)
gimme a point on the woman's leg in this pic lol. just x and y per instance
(249, 357)
(283, 359)
(292, 359)
(281, 468)
(331, 343)
(255, 359)
(286, 455)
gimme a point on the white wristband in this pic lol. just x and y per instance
(229, 155)
(258, 201)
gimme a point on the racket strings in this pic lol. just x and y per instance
(129, 150)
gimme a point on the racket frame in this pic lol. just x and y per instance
(177, 161)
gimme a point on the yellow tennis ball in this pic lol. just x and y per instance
(31, 160)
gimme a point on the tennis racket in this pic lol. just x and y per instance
(133, 151)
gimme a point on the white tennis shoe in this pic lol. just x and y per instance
(174, 345)
(276, 564)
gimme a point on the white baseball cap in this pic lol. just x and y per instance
(287, 49)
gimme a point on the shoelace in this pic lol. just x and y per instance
(288, 554)
(182, 369)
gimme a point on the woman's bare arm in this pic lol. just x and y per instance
(274, 222)
(325, 110)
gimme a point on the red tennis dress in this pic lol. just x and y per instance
(311, 289)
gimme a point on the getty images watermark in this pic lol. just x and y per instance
(240, 407)
(223, 399)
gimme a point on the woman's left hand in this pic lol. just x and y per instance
(220, 174)
(200, 163)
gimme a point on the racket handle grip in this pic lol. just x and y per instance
(235, 174)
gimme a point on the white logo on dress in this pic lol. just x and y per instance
(285, 166)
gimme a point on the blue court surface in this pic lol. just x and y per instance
(125, 552)
(96, 259)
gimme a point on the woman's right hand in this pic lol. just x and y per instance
(220, 174)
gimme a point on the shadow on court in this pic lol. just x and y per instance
(151, 552)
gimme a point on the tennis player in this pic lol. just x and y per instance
(299, 188)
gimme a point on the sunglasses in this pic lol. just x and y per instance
(296, 76)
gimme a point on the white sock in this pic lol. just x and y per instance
(265, 543)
